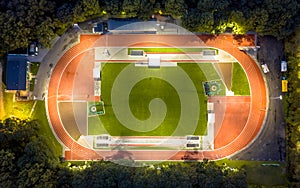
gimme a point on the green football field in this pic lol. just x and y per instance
(140, 97)
(134, 98)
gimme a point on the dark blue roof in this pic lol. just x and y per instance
(116, 23)
(98, 28)
(16, 72)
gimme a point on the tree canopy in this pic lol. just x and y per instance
(266, 17)
(22, 21)
(33, 164)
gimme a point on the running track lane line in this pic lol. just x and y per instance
(242, 140)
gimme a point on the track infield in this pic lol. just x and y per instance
(146, 90)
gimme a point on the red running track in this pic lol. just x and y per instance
(239, 137)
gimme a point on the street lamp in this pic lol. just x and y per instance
(279, 97)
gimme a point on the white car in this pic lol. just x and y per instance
(265, 68)
(283, 66)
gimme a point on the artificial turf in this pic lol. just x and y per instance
(141, 95)
(209, 71)
(95, 126)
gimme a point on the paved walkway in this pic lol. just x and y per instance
(2, 112)
(61, 45)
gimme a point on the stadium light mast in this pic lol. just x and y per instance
(106, 52)
(279, 97)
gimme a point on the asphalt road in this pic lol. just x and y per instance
(270, 143)
(1, 93)
(61, 45)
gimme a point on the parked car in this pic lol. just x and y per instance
(33, 49)
(265, 68)
(283, 66)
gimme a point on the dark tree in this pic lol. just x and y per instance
(113, 7)
(7, 169)
(131, 7)
(85, 9)
(37, 151)
(146, 10)
(37, 175)
(16, 133)
(176, 8)
(26, 20)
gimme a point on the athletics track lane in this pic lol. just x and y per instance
(242, 140)
(53, 98)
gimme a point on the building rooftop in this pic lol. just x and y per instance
(16, 72)
(130, 25)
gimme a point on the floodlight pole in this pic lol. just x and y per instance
(279, 97)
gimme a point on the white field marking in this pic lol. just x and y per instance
(32, 109)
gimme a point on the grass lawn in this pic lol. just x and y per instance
(141, 95)
(171, 50)
(32, 82)
(240, 84)
(39, 114)
(34, 67)
(258, 174)
(21, 110)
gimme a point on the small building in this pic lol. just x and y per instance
(16, 72)
(130, 25)
(154, 61)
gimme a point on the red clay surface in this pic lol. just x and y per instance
(234, 131)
